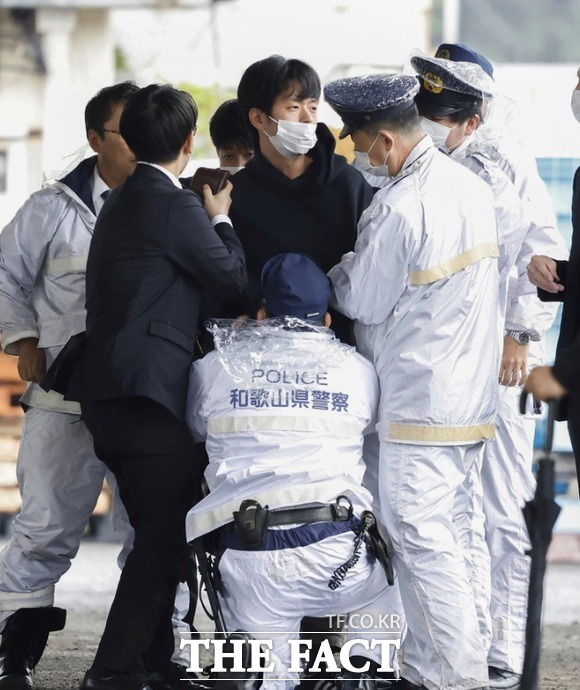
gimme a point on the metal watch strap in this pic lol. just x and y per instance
(521, 337)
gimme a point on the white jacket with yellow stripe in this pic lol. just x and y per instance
(423, 287)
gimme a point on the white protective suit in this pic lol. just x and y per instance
(283, 415)
(507, 476)
(423, 287)
(43, 253)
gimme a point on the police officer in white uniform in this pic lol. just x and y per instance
(472, 130)
(283, 407)
(422, 285)
(43, 253)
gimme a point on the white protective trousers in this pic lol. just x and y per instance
(427, 504)
(508, 483)
(60, 479)
(267, 593)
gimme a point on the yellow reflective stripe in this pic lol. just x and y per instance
(231, 425)
(457, 263)
(66, 264)
(440, 434)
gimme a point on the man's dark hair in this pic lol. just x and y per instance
(227, 126)
(100, 108)
(406, 122)
(156, 122)
(267, 79)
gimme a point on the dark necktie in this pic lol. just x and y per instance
(105, 194)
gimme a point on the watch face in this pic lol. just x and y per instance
(524, 338)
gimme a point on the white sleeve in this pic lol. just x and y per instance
(373, 398)
(23, 246)
(525, 311)
(369, 282)
(196, 398)
(523, 231)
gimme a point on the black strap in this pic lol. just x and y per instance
(336, 512)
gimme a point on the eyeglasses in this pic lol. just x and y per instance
(111, 131)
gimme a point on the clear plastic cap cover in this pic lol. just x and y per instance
(244, 345)
(462, 77)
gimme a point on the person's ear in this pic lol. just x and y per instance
(257, 118)
(327, 320)
(94, 140)
(261, 314)
(388, 138)
(472, 124)
(188, 144)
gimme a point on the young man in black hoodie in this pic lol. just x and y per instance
(296, 194)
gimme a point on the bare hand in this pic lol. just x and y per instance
(217, 204)
(513, 370)
(543, 273)
(31, 360)
(542, 384)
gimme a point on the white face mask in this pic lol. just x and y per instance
(576, 104)
(293, 139)
(437, 131)
(364, 162)
(460, 152)
(232, 169)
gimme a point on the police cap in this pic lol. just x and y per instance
(294, 285)
(365, 99)
(459, 52)
(448, 87)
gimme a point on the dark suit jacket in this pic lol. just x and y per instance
(153, 251)
(567, 363)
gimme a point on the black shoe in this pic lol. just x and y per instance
(115, 681)
(23, 641)
(323, 680)
(172, 677)
(368, 680)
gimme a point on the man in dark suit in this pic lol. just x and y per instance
(560, 281)
(153, 250)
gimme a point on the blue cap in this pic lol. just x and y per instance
(295, 285)
(362, 100)
(459, 52)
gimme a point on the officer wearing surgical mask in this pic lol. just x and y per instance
(296, 194)
(422, 286)
(465, 115)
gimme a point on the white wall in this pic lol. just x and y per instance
(41, 117)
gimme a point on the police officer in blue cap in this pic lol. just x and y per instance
(422, 285)
(283, 407)
(454, 101)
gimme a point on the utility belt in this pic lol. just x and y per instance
(252, 521)
(249, 531)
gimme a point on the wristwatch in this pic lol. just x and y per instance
(521, 337)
